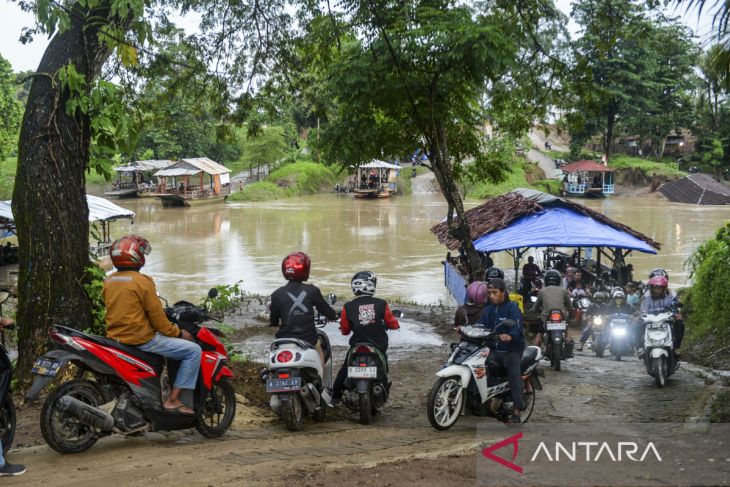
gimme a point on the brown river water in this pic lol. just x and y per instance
(196, 248)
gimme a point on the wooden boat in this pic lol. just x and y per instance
(376, 179)
(193, 182)
(590, 179)
(134, 180)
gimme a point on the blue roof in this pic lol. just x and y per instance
(559, 227)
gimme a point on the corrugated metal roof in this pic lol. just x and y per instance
(588, 166)
(177, 171)
(376, 164)
(700, 189)
(144, 166)
(100, 209)
(207, 165)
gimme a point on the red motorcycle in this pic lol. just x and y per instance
(121, 389)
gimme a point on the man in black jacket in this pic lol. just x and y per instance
(292, 305)
(367, 318)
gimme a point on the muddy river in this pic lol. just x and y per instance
(196, 248)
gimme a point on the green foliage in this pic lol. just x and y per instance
(11, 111)
(266, 147)
(93, 286)
(709, 268)
(229, 297)
(648, 167)
(7, 177)
(260, 191)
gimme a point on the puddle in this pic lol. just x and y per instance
(412, 336)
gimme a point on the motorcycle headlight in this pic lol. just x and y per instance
(657, 338)
(619, 332)
(597, 320)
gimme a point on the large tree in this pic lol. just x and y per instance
(72, 115)
(433, 74)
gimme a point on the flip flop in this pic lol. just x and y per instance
(179, 410)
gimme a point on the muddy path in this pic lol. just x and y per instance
(400, 445)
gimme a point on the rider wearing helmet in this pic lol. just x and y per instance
(660, 298)
(618, 304)
(292, 305)
(493, 273)
(597, 308)
(368, 318)
(552, 296)
(135, 316)
(471, 311)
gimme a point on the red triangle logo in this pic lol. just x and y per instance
(488, 452)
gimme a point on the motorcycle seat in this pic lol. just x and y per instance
(528, 357)
(293, 341)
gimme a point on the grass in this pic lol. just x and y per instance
(556, 154)
(647, 166)
(520, 177)
(296, 179)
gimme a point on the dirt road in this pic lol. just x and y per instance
(401, 443)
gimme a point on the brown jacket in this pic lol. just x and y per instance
(133, 310)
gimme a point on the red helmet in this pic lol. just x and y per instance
(658, 281)
(658, 286)
(477, 293)
(295, 266)
(129, 251)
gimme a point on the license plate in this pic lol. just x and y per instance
(362, 372)
(46, 366)
(556, 326)
(284, 385)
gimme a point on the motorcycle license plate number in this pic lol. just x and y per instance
(362, 372)
(284, 385)
(556, 326)
(47, 367)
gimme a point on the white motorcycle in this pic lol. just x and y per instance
(296, 380)
(463, 384)
(659, 357)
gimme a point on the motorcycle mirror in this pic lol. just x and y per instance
(398, 313)
(213, 292)
(268, 304)
(331, 298)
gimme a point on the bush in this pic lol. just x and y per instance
(709, 294)
(296, 179)
(649, 167)
(261, 191)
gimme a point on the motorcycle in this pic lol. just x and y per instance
(598, 335)
(296, 380)
(464, 385)
(556, 344)
(128, 387)
(367, 387)
(659, 357)
(620, 335)
(7, 406)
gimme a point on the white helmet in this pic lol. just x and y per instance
(364, 282)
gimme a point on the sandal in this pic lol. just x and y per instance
(180, 410)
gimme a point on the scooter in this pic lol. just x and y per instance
(367, 387)
(659, 357)
(464, 385)
(125, 393)
(7, 406)
(620, 335)
(296, 379)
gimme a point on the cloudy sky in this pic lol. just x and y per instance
(26, 57)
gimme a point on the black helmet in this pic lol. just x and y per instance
(493, 272)
(552, 278)
(364, 282)
(659, 272)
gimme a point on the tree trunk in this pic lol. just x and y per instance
(662, 146)
(49, 199)
(610, 121)
(459, 228)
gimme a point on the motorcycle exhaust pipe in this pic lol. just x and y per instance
(311, 397)
(86, 414)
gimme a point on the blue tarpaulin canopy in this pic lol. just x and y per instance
(559, 227)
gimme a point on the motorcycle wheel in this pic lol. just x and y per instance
(599, 351)
(7, 423)
(218, 410)
(366, 413)
(617, 356)
(529, 395)
(658, 368)
(444, 403)
(291, 412)
(555, 358)
(63, 432)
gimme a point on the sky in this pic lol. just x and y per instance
(27, 57)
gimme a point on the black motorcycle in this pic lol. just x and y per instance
(367, 387)
(7, 407)
(621, 335)
(557, 347)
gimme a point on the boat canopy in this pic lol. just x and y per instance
(586, 166)
(376, 164)
(559, 227)
(144, 166)
(100, 209)
(196, 165)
